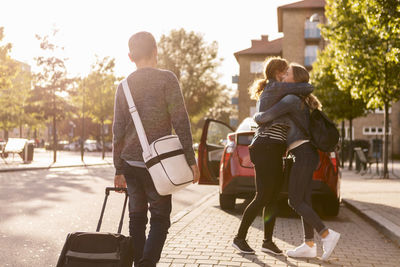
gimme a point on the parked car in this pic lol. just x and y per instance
(224, 160)
(90, 145)
(74, 146)
(61, 145)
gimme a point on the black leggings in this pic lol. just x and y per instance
(267, 159)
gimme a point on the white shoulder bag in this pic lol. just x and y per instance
(164, 158)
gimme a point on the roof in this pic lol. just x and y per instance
(305, 4)
(262, 47)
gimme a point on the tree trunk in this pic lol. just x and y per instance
(103, 152)
(54, 139)
(6, 135)
(351, 152)
(386, 142)
(342, 145)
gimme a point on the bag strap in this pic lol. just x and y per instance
(136, 120)
(300, 126)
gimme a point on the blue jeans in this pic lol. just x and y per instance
(301, 173)
(143, 197)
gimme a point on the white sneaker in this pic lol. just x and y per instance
(303, 251)
(329, 243)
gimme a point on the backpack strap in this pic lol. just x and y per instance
(300, 126)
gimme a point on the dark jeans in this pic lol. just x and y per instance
(267, 159)
(143, 197)
(306, 161)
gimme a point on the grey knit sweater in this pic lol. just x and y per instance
(159, 101)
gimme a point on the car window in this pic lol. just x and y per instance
(247, 125)
(217, 134)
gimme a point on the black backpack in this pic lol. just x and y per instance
(322, 132)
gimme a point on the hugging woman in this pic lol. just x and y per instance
(266, 151)
(296, 109)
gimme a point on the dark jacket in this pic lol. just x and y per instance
(292, 108)
(273, 92)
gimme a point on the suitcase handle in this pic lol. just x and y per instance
(107, 191)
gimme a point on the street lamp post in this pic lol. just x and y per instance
(83, 121)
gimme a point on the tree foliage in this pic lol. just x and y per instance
(48, 99)
(195, 64)
(8, 99)
(337, 103)
(365, 37)
(99, 89)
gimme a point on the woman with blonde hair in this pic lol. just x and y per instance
(304, 165)
(266, 151)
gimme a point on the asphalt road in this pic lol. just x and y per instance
(39, 208)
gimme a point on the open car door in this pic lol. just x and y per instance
(211, 148)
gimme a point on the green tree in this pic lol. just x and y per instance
(8, 72)
(78, 96)
(337, 103)
(99, 88)
(21, 88)
(195, 64)
(365, 37)
(48, 99)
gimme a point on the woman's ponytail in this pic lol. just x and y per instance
(256, 88)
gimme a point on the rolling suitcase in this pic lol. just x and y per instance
(98, 249)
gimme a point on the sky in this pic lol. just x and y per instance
(88, 28)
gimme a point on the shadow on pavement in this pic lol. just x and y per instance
(42, 186)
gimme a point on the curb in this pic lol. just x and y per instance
(188, 210)
(386, 227)
(53, 167)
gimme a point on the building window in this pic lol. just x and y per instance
(381, 111)
(347, 132)
(310, 54)
(311, 30)
(256, 66)
(372, 130)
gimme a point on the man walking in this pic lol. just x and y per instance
(160, 104)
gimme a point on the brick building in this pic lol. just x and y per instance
(302, 39)
(251, 62)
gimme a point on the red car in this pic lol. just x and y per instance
(224, 160)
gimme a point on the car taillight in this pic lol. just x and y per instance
(230, 146)
(333, 160)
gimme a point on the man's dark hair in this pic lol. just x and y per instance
(142, 46)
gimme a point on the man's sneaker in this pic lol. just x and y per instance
(270, 247)
(241, 245)
(329, 243)
(303, 251)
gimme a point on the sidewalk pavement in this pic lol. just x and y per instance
(203, 237)
(43, 159)
(376, 200)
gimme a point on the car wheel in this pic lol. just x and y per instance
(331, 207)
(227, 202)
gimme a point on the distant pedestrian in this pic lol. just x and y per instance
(160, 103)
(306, 161)
(266, 151)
